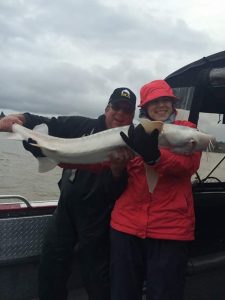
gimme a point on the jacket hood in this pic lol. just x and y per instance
(155, 89)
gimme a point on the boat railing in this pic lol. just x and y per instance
(16, 197)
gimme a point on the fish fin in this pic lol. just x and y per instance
(152, 178)
(46, 164)
(41, 128)
(149, 126)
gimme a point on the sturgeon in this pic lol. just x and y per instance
(96, 148)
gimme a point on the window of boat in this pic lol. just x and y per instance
(213, 160)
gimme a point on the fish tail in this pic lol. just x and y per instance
(46, 164)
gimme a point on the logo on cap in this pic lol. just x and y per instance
(125, 93)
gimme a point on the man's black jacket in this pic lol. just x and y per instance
(88, 197)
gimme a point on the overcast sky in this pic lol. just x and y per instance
(67, 56)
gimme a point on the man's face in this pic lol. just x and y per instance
(118, 114)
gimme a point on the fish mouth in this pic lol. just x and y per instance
(192, 146)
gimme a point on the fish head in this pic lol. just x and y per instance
(198, 142)
(203, 141)
(186, 140)
(186, 147)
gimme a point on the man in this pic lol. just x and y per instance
(82, 217)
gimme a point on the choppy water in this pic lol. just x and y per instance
(19, 172)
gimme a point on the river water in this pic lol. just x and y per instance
(19, 172)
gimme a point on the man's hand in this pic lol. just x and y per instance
(144, 144)
(7, 122)
(36, 151)
(119, 159)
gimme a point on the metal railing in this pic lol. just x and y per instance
(17, 197)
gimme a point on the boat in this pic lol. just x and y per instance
(201, 87)
(23, 222)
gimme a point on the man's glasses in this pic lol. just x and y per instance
(126, 109)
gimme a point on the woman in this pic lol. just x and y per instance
(150, 231)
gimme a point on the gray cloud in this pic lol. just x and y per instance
(66, 57)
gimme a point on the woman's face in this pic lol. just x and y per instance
(160, 109)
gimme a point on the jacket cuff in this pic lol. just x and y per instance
(152, 162)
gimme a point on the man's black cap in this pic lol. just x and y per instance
(123, 94)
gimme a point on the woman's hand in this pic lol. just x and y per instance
(144, 144)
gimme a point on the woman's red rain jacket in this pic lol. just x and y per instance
(168, 212)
